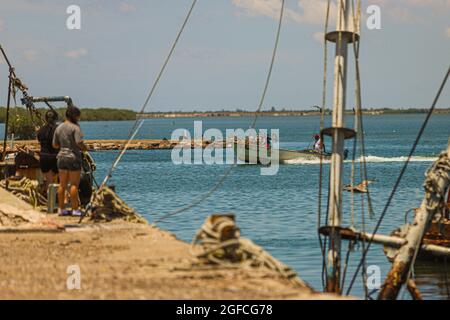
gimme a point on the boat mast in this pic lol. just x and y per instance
(342, 37)
(436, 184)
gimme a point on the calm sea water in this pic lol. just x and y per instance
(279, 212)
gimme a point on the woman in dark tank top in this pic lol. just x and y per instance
(48, 153)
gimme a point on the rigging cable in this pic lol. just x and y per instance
(446, 278)
(360, 133)
(322, 126)
(261, 102)
(357, 112)
(399, 179)
(138, 123)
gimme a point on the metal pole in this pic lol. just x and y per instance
(5, 138)
(392, 242)
(335, 195)
(436, 184)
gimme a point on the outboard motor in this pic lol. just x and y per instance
(85, 188)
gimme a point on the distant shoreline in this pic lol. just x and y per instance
(287, 113)
(87, 114)
(118, 114)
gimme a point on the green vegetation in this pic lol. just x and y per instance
(88, 114)
(106, 114)
(24, 128)
(20, 124)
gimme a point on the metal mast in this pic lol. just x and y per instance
(342, 37)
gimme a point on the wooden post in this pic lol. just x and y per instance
(436, 184)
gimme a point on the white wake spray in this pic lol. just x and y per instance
(369, 159)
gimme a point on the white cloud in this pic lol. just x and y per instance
(269, 8)
(428, 3)
(307, 11)
(127, 7)
(404, 15)
(318, 36)
(313, 11)
(407, 11)
(412, 3)
(77, 53)
(30, 55)
(52, 7)
(2, 25)
(447, 32)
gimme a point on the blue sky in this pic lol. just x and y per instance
(223, 56)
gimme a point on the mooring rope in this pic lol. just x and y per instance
(227, 172)
(399, 179)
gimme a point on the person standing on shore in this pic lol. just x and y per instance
(68, 138)
(48, 154)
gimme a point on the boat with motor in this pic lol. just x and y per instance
(250, 153)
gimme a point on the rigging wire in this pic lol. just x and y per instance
(253, 125)
(399, 179)
(322, 126)
(446, 278)
(351, 245)
(354, 151)
(138, 123)
(272, 62)
(359, 127)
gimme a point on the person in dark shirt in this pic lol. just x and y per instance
(48, 153)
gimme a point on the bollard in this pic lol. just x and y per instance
(52, 191)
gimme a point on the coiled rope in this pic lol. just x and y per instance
(218, 242)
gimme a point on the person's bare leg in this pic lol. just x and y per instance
(63, 178)
(49, 178)
(74, 179)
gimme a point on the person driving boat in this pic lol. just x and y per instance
(318, 145)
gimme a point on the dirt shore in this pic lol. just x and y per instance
(116, 261)
(106, 145)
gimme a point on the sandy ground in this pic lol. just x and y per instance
(117, 261)
(100, 145)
